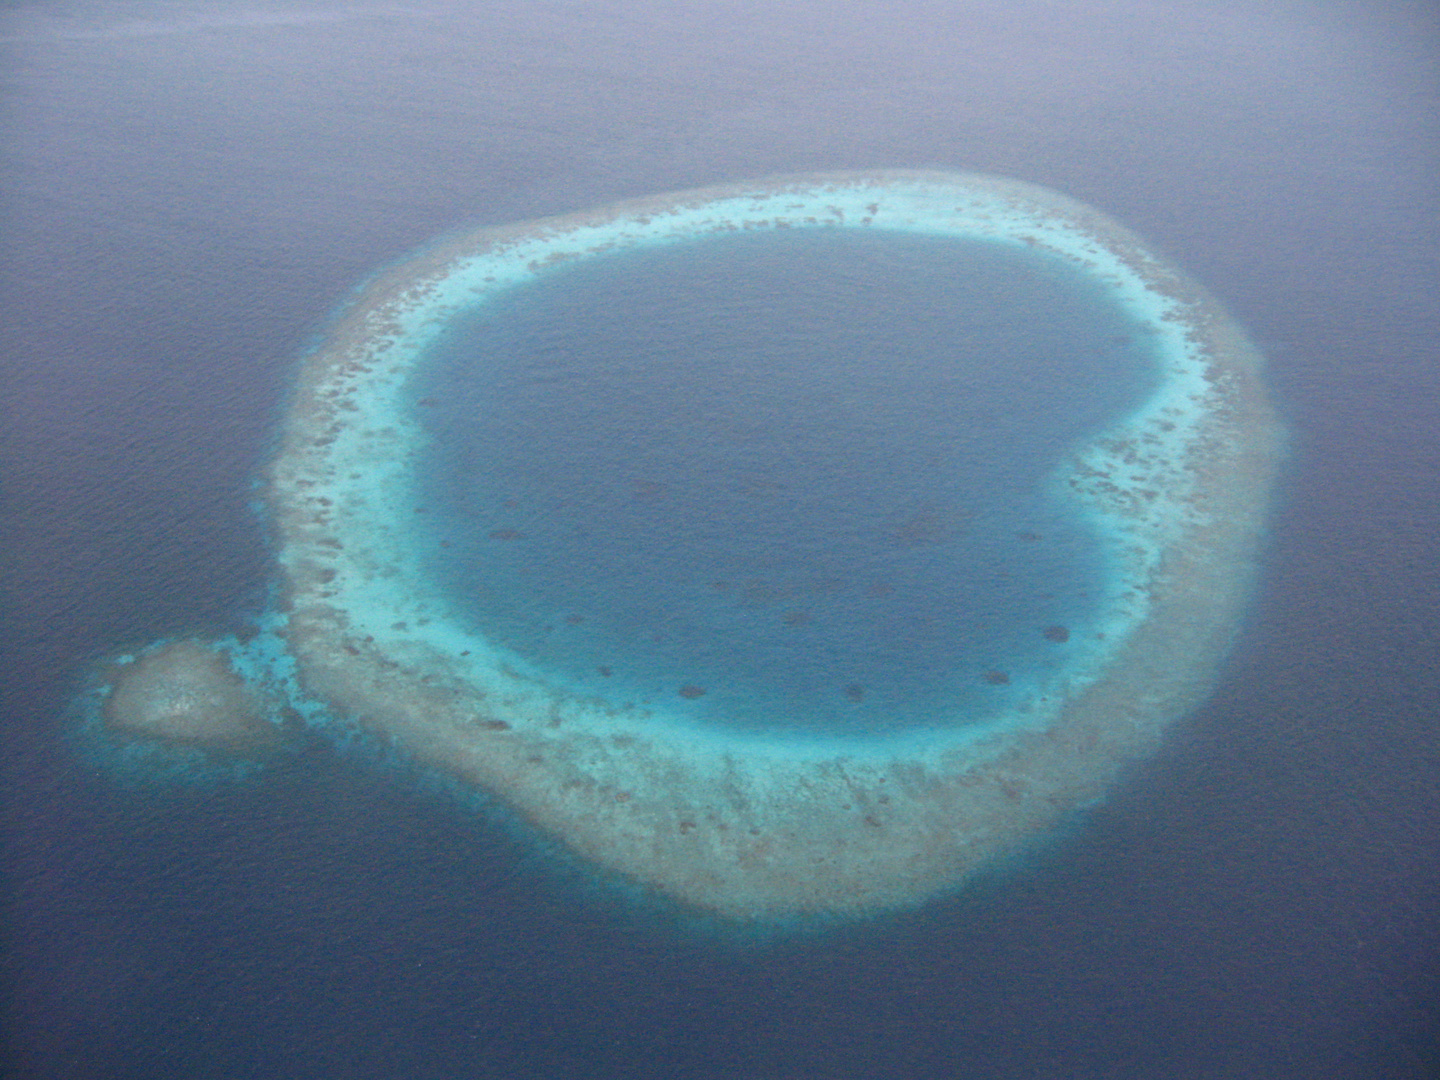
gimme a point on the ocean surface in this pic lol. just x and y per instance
(808, 474)
(191, 190)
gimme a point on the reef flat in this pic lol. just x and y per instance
(750, 824)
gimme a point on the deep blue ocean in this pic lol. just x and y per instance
(191, 190)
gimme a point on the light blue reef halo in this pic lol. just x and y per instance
(763, 818)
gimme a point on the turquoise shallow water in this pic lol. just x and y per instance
(804, 473)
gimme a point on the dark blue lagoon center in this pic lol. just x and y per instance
(798, 477)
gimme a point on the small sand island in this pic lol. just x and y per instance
(190, 693)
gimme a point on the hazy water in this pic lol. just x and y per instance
(806, 473)
(188, 188)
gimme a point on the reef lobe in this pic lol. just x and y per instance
(187, 692)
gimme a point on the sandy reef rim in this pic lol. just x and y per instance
(747, 825)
